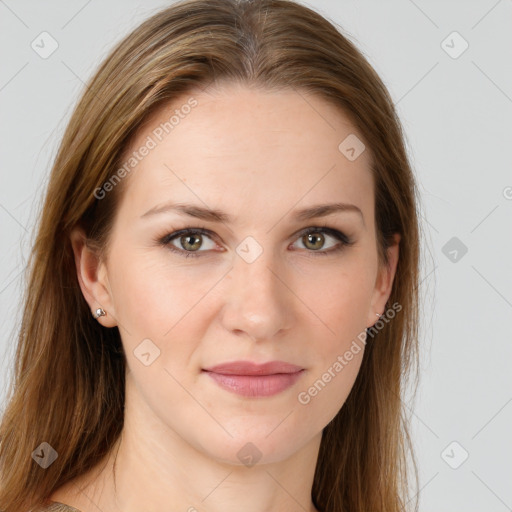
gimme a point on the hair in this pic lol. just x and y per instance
(68, 385)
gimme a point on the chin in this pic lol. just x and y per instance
(258, 444)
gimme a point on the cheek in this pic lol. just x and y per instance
(337, 361)
(343, 307)
(141, 298)
(166, 304)
(342, 299)
(327, 391)
(151, 295)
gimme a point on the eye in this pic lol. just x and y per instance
(314, 239)
(188, 242)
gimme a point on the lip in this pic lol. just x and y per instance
(251, 368)
(250, 379)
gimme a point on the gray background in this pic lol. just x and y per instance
(457, 116)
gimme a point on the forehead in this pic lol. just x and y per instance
(251, 149)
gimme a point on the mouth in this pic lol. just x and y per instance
(250, 379)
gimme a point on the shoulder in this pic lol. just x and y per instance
(56, 507)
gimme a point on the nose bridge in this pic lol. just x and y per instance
(259, 303)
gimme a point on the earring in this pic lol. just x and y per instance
(99, 312)
(378, 314)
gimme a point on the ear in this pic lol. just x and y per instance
(93, 278)
(384, 282)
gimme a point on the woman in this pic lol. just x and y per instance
(222, 301)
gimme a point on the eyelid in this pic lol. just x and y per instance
(336, 233)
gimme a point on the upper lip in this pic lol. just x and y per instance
(251, 368)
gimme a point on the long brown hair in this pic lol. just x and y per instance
(68, 386)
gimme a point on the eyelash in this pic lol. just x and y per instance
(344, 239)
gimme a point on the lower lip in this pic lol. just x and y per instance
(256, 385)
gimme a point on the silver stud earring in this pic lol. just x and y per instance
(99, 312)
(378, 314)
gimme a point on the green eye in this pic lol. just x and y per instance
(191, 240)
(314, 239)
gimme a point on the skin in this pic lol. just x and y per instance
(258, 156)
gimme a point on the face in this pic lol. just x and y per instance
(255, 281)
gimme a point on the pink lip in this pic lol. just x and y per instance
(250, 379)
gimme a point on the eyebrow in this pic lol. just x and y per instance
(215, 215)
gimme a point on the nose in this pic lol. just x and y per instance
(258, 301)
